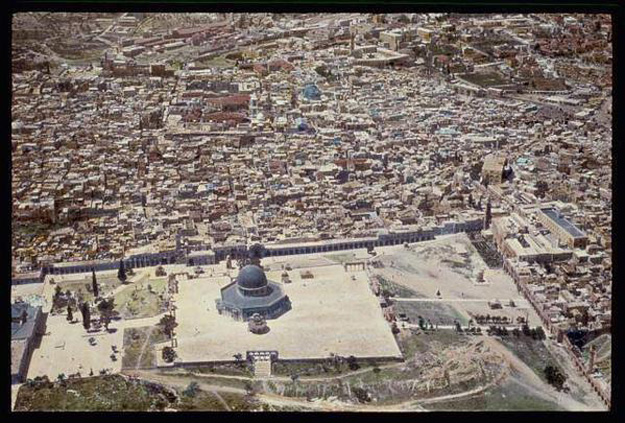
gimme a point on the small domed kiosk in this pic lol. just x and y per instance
(257, 324)
(252, 293)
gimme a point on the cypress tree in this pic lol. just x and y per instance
(488, 215)
(106, 309)
(121, 274)
(86, 316)
(94, 284)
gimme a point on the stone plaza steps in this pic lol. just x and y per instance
(262, 368)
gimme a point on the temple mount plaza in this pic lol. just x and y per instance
(322, 309)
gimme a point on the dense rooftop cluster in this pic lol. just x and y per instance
(152, 139)
(200, 131)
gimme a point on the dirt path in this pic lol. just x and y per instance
(143, 321)
(221, 400)
(469, 393)
(180, 382)
(535, 384)
(574, 379)
(144, 347)
(518, 301)
(523, 375)
(180, 379)
(287, 378)
(354, 373)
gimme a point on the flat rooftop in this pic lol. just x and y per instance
(554, 215)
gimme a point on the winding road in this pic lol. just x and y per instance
(517, 369)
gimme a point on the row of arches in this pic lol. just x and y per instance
(286, 251)
(140, 262)
(135, 262)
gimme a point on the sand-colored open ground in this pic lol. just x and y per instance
(65, 347)
(450, 264)
(330, 314)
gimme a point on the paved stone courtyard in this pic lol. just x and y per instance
(330, 314)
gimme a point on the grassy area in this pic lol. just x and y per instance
(509, 396)
(446, 49)
(341, 258)
(78, 55)
(209, 401)
(114, 393)
(460, 264)
(411, 344)
(139, 348)
(320, 369)
(283, 368)
(545, 84)
(82, 288)
(137, 301)
(531, 352)
(229, 369)
(487, 44)
(398, 290)
(440, 313)
(100, 393)
(213, 379)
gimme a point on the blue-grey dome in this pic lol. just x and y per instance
(251, 277)
(311, 92)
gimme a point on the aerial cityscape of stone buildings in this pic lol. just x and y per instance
(190, 141)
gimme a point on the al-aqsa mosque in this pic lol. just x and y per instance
(252, 293)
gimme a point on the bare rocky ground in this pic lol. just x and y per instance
(444, 371)
(449, 264)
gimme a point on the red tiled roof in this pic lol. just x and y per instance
(225, 116)
(260, 67)
(283, 64)
(241, 99)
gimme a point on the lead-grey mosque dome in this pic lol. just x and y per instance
(252, 293)
(251, 277)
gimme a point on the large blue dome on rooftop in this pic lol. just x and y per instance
(251, 277)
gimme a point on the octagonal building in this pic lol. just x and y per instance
(252, 293)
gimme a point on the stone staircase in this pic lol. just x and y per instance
(262, 368)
